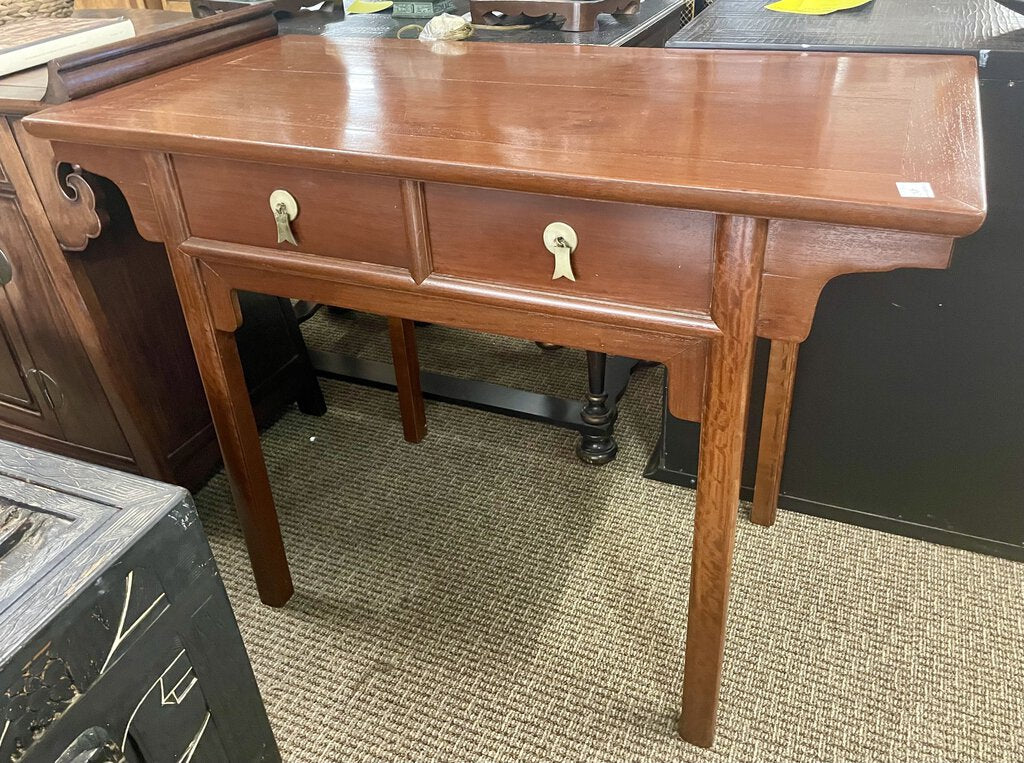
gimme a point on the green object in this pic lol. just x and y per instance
(421, 9)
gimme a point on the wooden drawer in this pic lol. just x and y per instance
(647, 255)
(352, 217)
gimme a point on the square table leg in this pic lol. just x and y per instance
(739, 257)
(211, 326)
(778, 403)
(221, 370)
(407, 378)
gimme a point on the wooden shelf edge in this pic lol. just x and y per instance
(94, 70)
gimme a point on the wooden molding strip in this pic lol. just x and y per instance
(120, 62)
(416, 229)
(681, 324)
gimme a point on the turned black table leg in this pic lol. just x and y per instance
(598, 447)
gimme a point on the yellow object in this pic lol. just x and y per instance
(814, 7)
(368, 6)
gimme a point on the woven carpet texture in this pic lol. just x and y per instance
(484, 596)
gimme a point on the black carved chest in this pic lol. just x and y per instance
(117, 641)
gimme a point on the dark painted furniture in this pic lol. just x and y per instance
(907, 414)
(95, 360)
(117, 641)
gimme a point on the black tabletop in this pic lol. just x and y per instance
(611, 30)
(975, 26)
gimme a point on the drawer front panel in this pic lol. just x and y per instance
(643, 255)
(351, 217)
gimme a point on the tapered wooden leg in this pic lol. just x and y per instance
(221, 370)
(407, 378)
(309, 397)
(739, 256)
(778, 403)
(212, 315)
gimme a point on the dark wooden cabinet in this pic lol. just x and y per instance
(95, 359)
(49, 388)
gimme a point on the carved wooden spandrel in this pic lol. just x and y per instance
(124, 169)
(803, 256)
(69, 200)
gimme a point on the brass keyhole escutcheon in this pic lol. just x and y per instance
(285, 209)
(561, 240)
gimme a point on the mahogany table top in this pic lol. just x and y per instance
(817, 136)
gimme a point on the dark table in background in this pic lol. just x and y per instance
(656, 21)
(916, 427)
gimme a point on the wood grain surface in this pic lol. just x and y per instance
(797, 156)
(355, 217)
(739, 257)
(627, 252)
(778, 403)
(774, 134)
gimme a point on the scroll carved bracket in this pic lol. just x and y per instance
(87, 214)
(70, 201)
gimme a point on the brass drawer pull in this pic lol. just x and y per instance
(561, 240)
(285, 209)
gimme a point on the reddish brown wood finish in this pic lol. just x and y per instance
(717, 136)
(802, 257)
(415, 213)
(644, 255)
(97, 363)
(775, 134)
(224, 382)
(778, 401)
(52, 345)
(132, 182)
(23, 92)
(71, 205)
(739, 257)
(362, 209)
(153, 51)
(407, 378)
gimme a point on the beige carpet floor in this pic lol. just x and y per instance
(483, 596)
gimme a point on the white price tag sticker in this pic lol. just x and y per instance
(915, 190)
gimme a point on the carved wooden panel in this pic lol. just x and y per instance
(69, 201)
(22, 400)
(116, 637)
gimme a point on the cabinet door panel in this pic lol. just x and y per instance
(13, 389)
(64, 398)
(21, 398)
